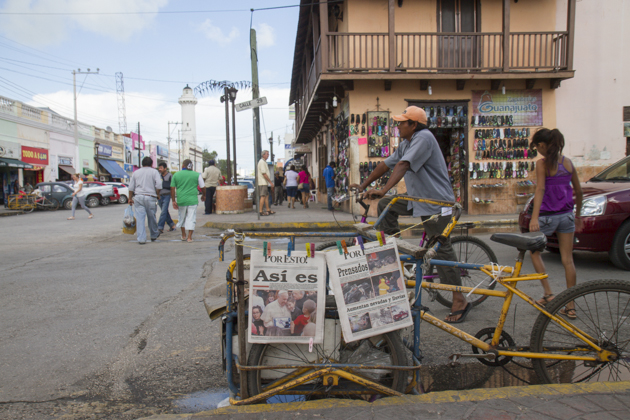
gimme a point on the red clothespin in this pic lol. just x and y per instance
(344, 246)
(268, 249)
(381, 238)
(313, 250)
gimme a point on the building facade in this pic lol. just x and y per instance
(489, 73)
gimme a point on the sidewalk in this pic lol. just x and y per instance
(318, 217)
(7, 212)
(593, 401)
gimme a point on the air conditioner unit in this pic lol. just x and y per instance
(103, 178)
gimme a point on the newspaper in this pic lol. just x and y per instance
(369, 290)
(287, 296)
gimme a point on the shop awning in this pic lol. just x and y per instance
(113, 168)
(88, 171)
(68, 169)
(14, 163)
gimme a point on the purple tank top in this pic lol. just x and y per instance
(558, 196)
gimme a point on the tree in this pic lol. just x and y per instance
(206, 156)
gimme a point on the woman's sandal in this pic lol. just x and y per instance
(264, 213)
(568, 312)
(272, 212)
(545, 299)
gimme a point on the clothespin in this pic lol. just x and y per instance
(381, 238)
(308, 250)
(313, 250)
(344, 246)
(289, 249)
(310, 345)
(360, 242)
(265, 249)
(268, 249)
(339, 248)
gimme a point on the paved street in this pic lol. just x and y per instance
(96, 325)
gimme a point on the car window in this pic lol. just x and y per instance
(44, 188)
(59, 188)
(619, 171)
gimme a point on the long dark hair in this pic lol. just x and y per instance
(305, 169)
(555, 143)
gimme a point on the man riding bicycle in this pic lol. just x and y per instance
(419, 160)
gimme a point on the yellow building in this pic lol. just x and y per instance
(486, 72)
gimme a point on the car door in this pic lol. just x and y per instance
(59, 192)
(46, 190)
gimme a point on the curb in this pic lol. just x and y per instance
(311, 226)
(481, 394)
(12, 213)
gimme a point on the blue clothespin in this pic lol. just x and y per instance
(360, 242)
(289, 249)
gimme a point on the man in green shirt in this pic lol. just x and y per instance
(184, 185)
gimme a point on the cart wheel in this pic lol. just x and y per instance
(386, 349)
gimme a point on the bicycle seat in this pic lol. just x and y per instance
(529, 241)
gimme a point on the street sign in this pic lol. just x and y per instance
(254, 103)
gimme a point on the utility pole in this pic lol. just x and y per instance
(255, 95)
(168, 140)
(226, 98)
(271, 149)
(76, 121)
(139, 149)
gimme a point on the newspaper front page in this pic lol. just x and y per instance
(369, 290)
(287, 296)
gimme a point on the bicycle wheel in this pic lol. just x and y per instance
(603, 307)
(386, 349)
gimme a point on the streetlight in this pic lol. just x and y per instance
(225, 99)
(232, 92)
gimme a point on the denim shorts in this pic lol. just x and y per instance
(561, 223)
(292, 191)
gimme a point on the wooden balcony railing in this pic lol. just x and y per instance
(538, 50)
(447, 52)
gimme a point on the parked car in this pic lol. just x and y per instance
(57, 191)
(605, 215)
(123, 192)
(99, 193)
(250, 187)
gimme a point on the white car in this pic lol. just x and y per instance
(123, 191)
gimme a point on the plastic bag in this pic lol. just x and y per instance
(369, 355)
(129, 221)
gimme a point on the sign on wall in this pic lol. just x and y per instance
(66, 161)
(162, 151)
(523, 106)
(9, 150)
(104, 150)
(35, 155)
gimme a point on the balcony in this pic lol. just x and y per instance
(456, 53)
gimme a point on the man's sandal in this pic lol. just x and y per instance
(545, 299)
(568, 312)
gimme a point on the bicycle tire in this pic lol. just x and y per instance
(326, 245)
(297, 354)
(589, 299)
(470, 278)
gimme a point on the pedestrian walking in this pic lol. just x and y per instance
(211, 177)
(419, 160)
(144, 189)
(263, 183)
(329, 177)
(278, 180)
(78, 196)
(553, 207)
(165, 199)
(304, 186)
(291, 182)
(184, 194)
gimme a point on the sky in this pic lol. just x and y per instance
(160, 46)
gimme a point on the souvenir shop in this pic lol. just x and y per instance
(484, 141)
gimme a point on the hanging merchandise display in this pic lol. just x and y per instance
(340, 137)
(382, 141)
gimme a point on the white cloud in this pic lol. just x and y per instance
(41, 30)
(154, 110)
(214, 33)
(265, 35)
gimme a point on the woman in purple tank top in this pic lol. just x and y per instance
(553, 207)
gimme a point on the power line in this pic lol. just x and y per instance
(157, 12)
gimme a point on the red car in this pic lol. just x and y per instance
(605, 215)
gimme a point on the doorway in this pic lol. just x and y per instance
(460, 19)
(453, 142)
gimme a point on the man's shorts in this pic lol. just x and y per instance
(561, 223)
(263, 190)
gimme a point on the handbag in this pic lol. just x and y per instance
(300, 186)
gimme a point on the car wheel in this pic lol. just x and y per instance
(67, 204)
(92, 201)
(620, 250)
(122, 199)
(105, 201)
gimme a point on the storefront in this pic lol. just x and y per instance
(66, 168)
(483, 135)
(38, 158)
(10, 168)
(107, 163)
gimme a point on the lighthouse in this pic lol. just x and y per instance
(188, 146)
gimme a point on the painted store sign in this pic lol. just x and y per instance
(525, 106)
(35, 156)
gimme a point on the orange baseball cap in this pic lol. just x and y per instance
(412, 113)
